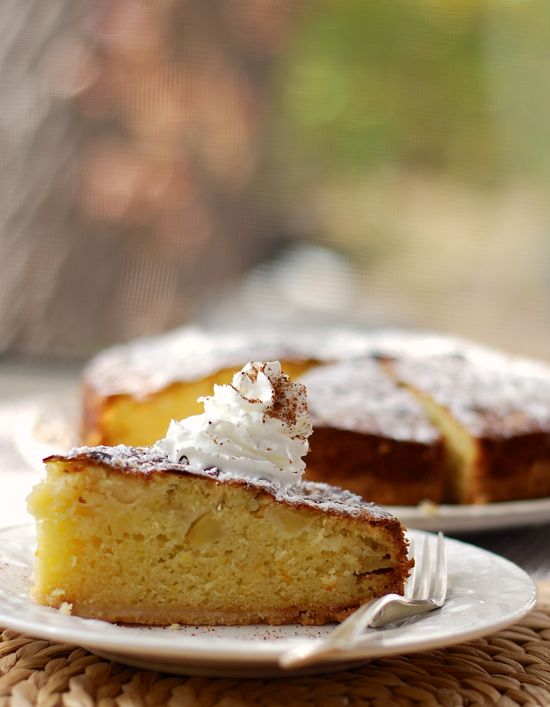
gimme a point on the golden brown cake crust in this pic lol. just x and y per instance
(502, 403)
(164, 616)
(386, 471)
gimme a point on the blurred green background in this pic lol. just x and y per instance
(413, 136)
(381, 162)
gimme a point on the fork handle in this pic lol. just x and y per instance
(343, 637)
(302, 655)
(378, 614)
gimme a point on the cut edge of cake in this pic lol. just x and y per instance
(372, 435)
(120, 418)
(494, 452)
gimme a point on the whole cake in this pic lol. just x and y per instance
(212, 525)
(398, 417)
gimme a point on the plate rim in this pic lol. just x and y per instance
(474, 517)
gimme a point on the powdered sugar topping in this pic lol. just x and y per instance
(487, 393)
(361, 396)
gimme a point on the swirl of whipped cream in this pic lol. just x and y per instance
(256, 427)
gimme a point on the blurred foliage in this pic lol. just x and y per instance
(446, 85)
(413, 137)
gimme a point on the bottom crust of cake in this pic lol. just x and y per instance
(166, 616)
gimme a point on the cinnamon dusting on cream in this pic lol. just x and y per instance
(256, 427)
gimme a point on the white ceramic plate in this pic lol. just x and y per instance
(472, 518)
(486, 593)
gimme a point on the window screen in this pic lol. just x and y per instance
(380, 162)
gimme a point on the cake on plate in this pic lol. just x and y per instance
(399, 417)
(213, 524)
(372, 435)
(494, 413)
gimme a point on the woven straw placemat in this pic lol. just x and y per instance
(508, 668)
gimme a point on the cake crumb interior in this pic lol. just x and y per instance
(168, 545)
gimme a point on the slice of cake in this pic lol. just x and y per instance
(125, 535)
(494, 413)
(371, 435)
(213, 525)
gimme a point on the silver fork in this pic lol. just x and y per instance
(425, 591)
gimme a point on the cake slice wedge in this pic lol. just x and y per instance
(371, 435)
(494, 413)
(126, 535)
(213, 524)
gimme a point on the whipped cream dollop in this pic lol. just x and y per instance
(257, 427)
